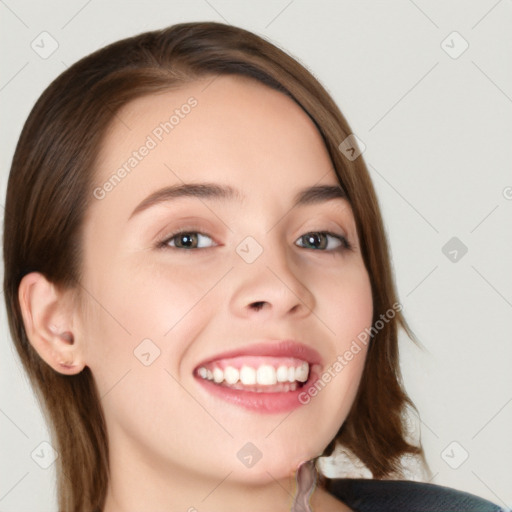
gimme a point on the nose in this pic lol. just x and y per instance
(271, 287)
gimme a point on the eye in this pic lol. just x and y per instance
(320, 241)
(185, 240)
(315, 240)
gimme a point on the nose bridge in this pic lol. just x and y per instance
(268, 279)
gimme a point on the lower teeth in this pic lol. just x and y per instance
(277, 388)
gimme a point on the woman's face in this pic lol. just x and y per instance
(160, 306)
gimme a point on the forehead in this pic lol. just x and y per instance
(228, 129)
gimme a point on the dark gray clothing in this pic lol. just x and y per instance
(365, 495)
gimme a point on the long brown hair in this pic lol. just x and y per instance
(50, 189)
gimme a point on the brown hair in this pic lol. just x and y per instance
(50, 189)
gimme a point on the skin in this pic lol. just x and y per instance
(172, 445)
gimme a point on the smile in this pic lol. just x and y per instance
(258, 374)
(265, 390)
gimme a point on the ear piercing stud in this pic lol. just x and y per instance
(67, 336)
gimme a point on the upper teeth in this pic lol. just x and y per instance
(265, 374)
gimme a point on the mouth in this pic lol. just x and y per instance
(266, 378)
(261, 374)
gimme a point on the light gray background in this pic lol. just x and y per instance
(437, 131)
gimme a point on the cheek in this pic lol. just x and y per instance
(163, 294)
(144, 309)
(138, 330)
(347, 313)
(347, 303)
(149, 300)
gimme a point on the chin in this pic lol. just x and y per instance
(270, 469)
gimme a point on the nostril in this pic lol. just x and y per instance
(258, 305)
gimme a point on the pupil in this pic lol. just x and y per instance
(188, 240)
(313, 239)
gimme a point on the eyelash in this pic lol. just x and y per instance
(164, 244)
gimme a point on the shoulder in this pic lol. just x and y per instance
(364, 495)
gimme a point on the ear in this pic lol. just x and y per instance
(48, 317)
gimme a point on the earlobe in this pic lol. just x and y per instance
(48, 320)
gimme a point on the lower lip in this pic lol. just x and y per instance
(260, 402)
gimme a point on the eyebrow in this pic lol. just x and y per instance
(311, 195)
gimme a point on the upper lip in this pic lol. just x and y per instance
(272, 348)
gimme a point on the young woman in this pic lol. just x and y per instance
(198, 284)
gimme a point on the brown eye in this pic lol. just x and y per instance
(319, 240)
(186, 240)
